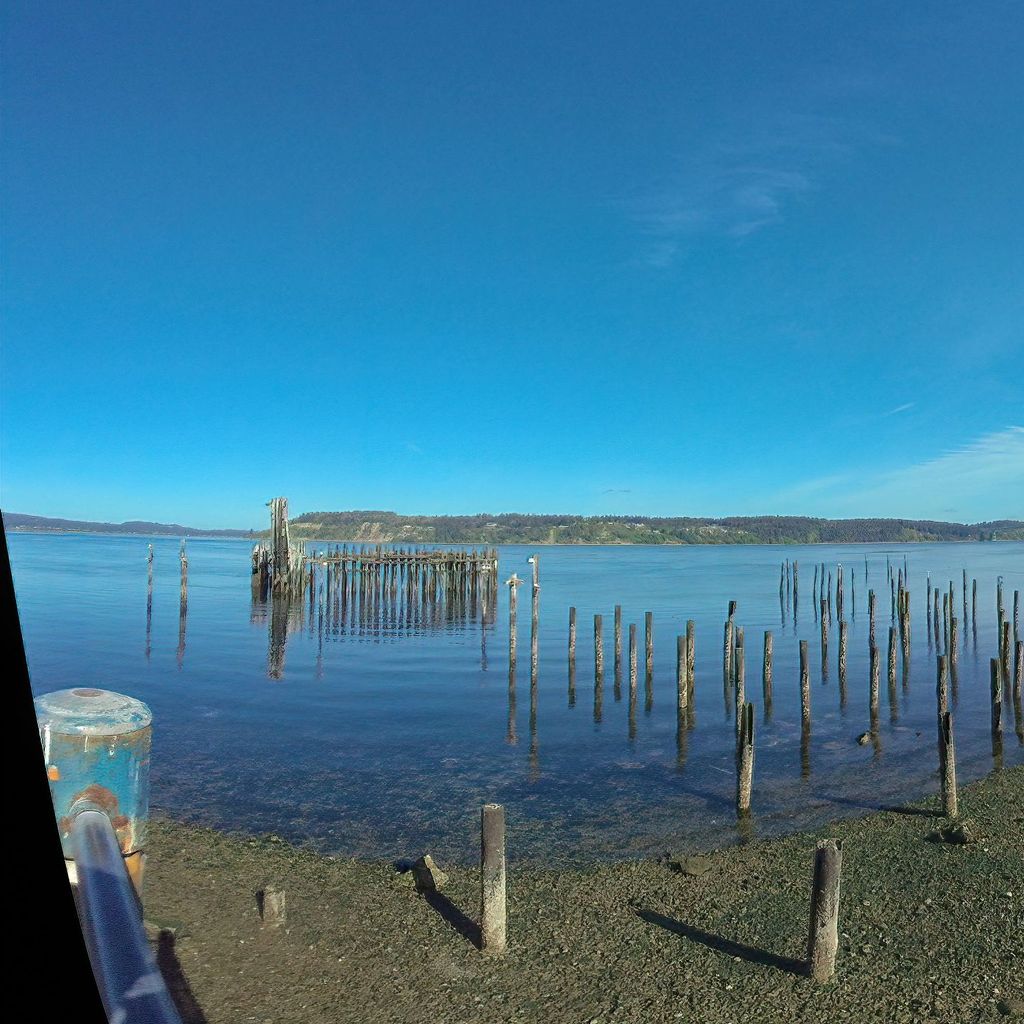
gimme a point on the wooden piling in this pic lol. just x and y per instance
(745, 757)
(996, 697)
(598, 651)
(1018, 670)
(766, 669)
(617, 640)
(512, 582)
(843, 639)
(892, 657)
(632, 661)
(873, 683)
(270, 902)
(682, 686)
(805, 687)
(823, 941)
(649, 643)
(572, 640)
(947, 761)
(727, 651)
(1004, 655)
(824, 640)
(493, 912)
(740, 679)
(691, 639)
(871, 619)
(535, 618)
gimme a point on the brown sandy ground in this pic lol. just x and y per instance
(929, 931)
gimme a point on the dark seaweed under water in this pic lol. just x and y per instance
(384, 742)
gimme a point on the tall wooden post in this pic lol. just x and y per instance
(534, 618)
(572, 640)
(512, 582)
(682, 686)
(947, 762)
(745, 757)
(492, 879)
(649, 643)
(823, 941)
(805, 687)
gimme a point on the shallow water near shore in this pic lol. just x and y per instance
(383, 741)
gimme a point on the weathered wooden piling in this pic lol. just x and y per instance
(682, 686)
(871, 619)
(947, 762)
(873, 683)
(941, 694)
(1018, 669)
(892, 657)
(512, 583)
(766, 670)
(272, 907)
(493, 913)
(744, 757)
(954, 647)
(824, 641)
(727, 651)
(649, 643)
(617, 640)
(823, 940)
(691, 639)
(632, 680)
(632, 662)
(534, 618)
(572, 640)
(996, 696)
(182, 603)
(805, 687)
(974, 601)
(1004, 655)
(740, 680)
(843, 640)
(598, 652)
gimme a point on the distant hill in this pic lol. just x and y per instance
(515, 528)
(16, 522)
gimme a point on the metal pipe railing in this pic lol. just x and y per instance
(130, 983)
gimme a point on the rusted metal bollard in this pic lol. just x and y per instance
(96, 747)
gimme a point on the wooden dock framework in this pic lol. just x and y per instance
(366, 588)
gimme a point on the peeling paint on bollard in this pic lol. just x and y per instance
(96, 747)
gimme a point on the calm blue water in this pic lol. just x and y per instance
(384, 744)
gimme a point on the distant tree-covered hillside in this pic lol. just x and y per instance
(45, 524)
(518, 528)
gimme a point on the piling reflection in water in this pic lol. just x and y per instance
(375, 594)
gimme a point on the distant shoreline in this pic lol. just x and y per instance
(491, 530)
(43, 532)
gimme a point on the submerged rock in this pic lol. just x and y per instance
(427, 875)
(692, 866)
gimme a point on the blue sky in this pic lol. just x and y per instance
(654, 258)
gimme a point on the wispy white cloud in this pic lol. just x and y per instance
(982, 480)
(750, 173)
(905, 407)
